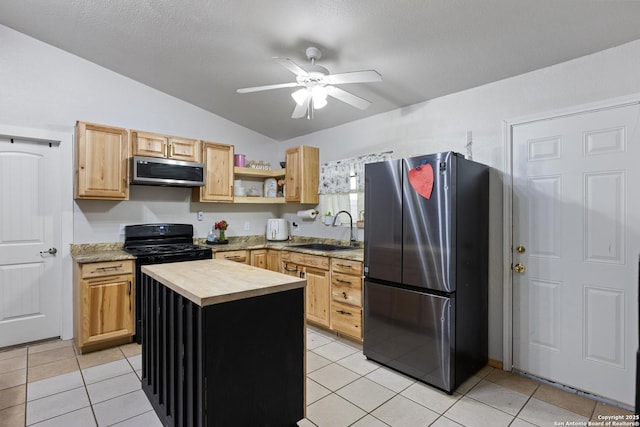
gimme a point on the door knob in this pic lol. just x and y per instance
(519, 268)
(50, 251)
(521, 249)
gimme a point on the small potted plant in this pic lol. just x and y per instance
(328, 218)
(222, 226)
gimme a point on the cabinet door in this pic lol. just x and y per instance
(273, 260)
(302, 174)
(318, 295)
(293, 177)
(149, 144)
(259, 258)
(184, 149)
(107, 309)
(102, 154)
(218, 187)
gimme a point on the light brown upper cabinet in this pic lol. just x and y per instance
(102, 166)
(302, 174)
(218, 161)
(169, 147)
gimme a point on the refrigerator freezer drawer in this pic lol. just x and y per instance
(410, 332)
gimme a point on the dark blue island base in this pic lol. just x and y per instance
(237, 363)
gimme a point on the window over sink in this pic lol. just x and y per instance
(342, 185)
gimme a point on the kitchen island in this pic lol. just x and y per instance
(223, 344)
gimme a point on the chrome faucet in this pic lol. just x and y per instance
(352, 238)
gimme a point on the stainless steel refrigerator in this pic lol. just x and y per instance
(426, 267)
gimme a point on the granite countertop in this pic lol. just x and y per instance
(100, 252)
(215, 281)
(355, 254)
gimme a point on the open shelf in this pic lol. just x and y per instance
(258, 173)
(269, 200)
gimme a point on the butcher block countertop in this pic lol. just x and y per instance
(215, 281)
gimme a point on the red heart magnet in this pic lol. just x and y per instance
(421, 179)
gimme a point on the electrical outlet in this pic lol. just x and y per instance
(122, 229)
(200, 215)
(247, 226)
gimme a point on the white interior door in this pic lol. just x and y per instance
(30, 210)
(576, 221)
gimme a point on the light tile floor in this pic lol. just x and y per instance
(47, 385)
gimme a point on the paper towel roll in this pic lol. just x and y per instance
(308, 214)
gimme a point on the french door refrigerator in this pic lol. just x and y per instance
(426, 267)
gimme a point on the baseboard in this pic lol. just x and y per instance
(495, 363)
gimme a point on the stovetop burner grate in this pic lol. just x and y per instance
(160, 249)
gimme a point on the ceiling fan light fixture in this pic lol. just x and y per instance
(315, 83)
(300, 96)
(319, 94)
(319, 103)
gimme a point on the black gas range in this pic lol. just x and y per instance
(159, 244)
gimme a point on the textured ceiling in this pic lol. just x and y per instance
(202, 51)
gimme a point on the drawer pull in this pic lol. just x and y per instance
(344, 294)
(111, 267)
(233, 256)
(344, 312)
(343, 281)
(344, 265)
(287, 268)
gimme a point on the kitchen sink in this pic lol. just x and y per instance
(322, 247)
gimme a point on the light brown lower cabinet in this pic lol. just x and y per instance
(104, 309)
(333, 295)
(315, 269)
(241, 256)
(259, 258)
(346, 297)
(273, 260)
(266, 258)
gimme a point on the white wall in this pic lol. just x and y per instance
(442, 124)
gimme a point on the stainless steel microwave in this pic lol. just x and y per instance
(174, 173)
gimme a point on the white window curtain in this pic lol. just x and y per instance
(359, 162)
(336, 184)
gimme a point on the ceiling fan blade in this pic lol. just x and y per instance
(291, 66)
(366, 76)
(267, 87)
(301, 110)
(348, 98)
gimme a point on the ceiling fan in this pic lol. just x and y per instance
(317, 83)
